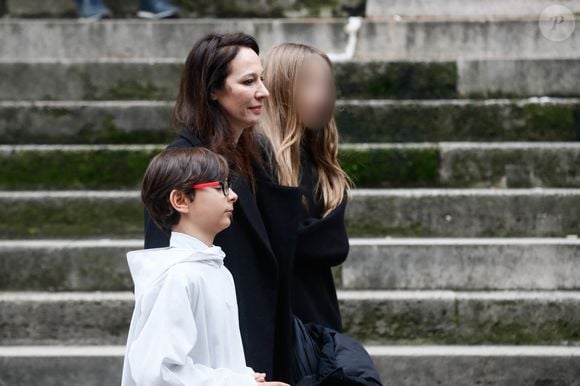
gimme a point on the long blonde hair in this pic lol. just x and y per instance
(282, 126)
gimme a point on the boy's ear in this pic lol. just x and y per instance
(178, 201)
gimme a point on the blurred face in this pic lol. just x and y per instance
(315, 93)
(243, 93)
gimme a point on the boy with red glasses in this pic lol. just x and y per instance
(184, 329)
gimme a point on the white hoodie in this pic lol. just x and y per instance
(184, 329)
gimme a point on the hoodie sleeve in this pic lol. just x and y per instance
(159, 352)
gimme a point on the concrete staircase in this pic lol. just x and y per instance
(460, 129)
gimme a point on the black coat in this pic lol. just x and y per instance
(325, 357)
(322, 243)
(260, 248)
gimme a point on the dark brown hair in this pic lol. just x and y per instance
(178, 168)
(205, 71)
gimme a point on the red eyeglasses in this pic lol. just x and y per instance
(224, 185)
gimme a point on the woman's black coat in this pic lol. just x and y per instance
(260, 249)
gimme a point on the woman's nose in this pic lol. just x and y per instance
(262, 91)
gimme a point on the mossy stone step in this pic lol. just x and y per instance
(395, 264)
(534, 119)
(370, 213)
(373, 317)
(369, 165)
(159, 79)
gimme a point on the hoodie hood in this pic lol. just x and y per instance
(148, 265)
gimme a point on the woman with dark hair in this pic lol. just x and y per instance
(220, 100)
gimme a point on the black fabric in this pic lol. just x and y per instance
(325, 357)
(260, 257)
(322, 243)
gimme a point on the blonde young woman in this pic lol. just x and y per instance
(298, 121)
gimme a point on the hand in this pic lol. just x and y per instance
(261, 379)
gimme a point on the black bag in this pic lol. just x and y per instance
(325, 357)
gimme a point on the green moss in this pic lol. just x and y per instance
(99, 169)
(393, 167)
(132, 89)
(110, 133)
(417, 122)
(123, 169)
(380, 323)
(79, 217)
(545, 119)
(456, 314)
(405, 80)
(55, 112)
(514, 168)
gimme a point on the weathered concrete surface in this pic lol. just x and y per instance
(532, 119)
(463, 8)
(392, 40)
(460, 165)
(373, 317)
(66, 265)
(464, 213)
(396, 264)
(370, 213)
(158, 79)
(488, 78)
(398, 365)
(463, 264)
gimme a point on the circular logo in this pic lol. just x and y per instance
(557, 23)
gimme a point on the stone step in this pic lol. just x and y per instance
(369, 165)
(371, 213)
(461, 264)
(373, 317)
(465, 212)
(448, 317)
(533, 119)
(462, 8)
(390, 39)
(240, 8)
(73, 79)
(476, 365)
(69, 79)
(397, 365)
(66, 265)
(61, 366)
(386, 263)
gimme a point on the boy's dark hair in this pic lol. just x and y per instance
(180, 169)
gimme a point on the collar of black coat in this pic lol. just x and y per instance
(246, 199)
